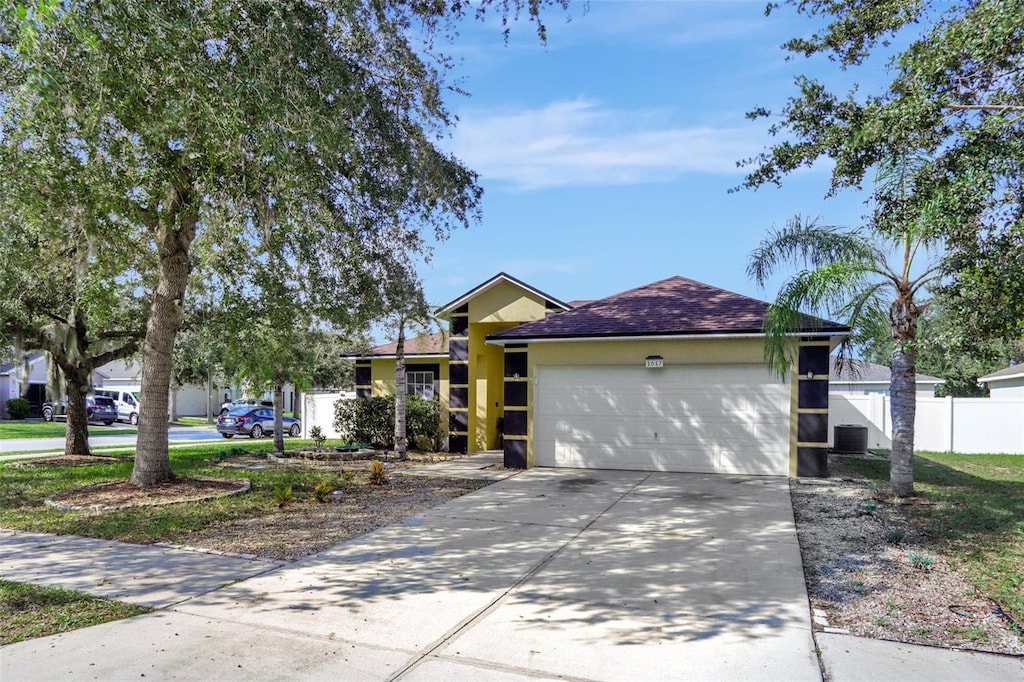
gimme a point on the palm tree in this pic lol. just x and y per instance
(861, 276)
(423, 319)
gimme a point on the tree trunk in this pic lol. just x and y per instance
(400, 395)
(904, 315)
(76, 433)
(903, 408)
(172, 399)
(152, 458)
(278, 417)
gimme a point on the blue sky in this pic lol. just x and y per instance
(606, 157)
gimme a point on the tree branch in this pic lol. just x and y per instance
(998, 108)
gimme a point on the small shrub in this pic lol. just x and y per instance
(895, 537)
(322, 492)
(347, 475)
(366, 420)
(283, 496)
(372, 420)
(867, 508)
(921, 561)
(378, 474)
(18, 408)
(317, 434)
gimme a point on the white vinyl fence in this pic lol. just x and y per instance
(964, 425)
(318, 410)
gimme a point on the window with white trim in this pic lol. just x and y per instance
(420, 384)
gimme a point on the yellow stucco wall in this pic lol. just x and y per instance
(506, 303)
(382, 373)
(502, 306)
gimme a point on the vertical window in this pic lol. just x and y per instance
(420, 384)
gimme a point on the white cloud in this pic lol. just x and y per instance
(579, 143)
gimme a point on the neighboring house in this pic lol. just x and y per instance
(1005, 383)
(666, 377)
(862, 378)
(12, 376)
(127, 376)
(192, 399)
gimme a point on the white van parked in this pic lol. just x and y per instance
(127, 403)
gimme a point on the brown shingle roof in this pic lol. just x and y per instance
(673, 306)
(429, 344)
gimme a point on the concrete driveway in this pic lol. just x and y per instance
(579, 575)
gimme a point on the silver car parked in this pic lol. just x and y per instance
(254, 422)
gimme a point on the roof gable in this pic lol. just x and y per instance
(498, 279)
(127, 369)
(11, 366)
(673, 306)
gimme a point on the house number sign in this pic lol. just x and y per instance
(654, 362)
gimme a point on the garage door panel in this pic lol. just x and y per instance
(731, 419)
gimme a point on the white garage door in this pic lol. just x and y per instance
(702, 418)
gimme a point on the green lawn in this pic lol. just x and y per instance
(976, 517)
(34, 429)
(195, 421)
(28, 611)
(23, 490)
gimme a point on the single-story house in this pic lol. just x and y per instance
(1005, 383)
(192, 400)
(857, 377)
(12, 380)
(126, 375)
(669, 377)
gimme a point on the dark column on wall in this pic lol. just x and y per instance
(515, 427)
(458, 381)
(812, 409)
(364, 379)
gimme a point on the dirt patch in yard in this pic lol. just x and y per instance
(307, 527)
(69, 461)
(869, 571)
(123, 495)
(302, 528)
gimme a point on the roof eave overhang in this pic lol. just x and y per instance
(1004, 377)
(865, 382)
(503, 341)
(394, 356)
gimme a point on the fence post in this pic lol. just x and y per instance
(950, 405)
(880, 413)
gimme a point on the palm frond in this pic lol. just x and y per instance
(825, 291)
(809, 245)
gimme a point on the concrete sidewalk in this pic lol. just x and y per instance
(548, 574)
(147, 575)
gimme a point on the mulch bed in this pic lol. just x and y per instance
(122, 494)
(70, 461)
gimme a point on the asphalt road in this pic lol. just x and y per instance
(99, 438)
